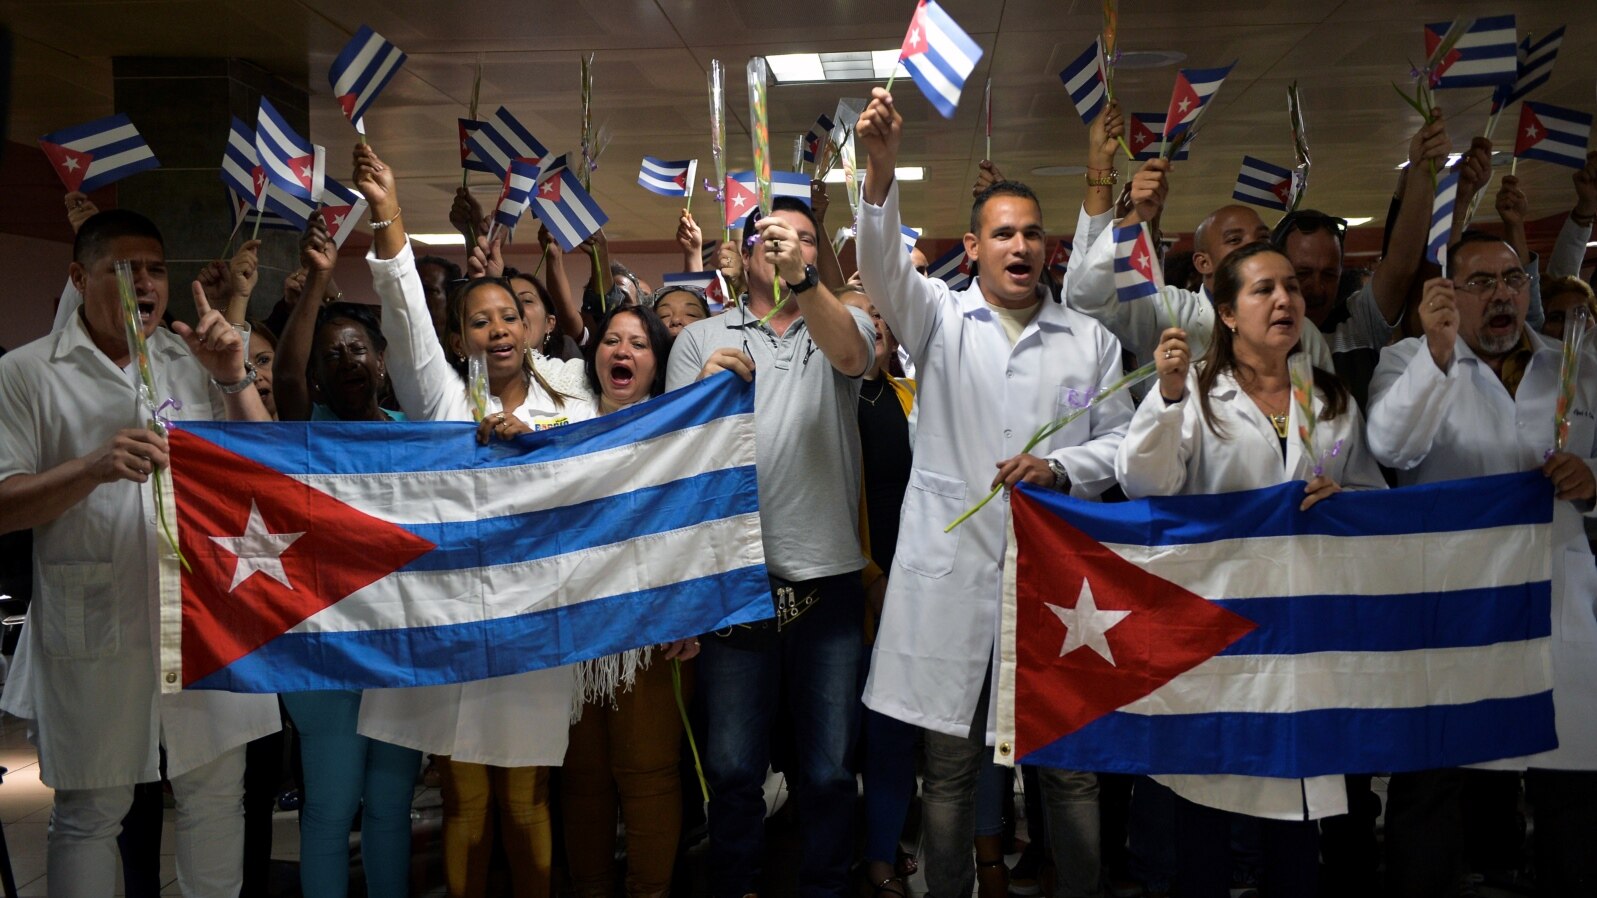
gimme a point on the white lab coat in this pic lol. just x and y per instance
(1169, 450)
(1434, 426)
(515, 721)
(87, 669)
(979, 400)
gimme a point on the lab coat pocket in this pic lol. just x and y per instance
(1072, 400)
(931, 503)
(1577, 620)
(77, 611)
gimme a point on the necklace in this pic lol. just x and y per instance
(880, 389)
(1280, 425)
(1278, 421)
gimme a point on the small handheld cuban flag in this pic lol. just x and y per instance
(469, 158)
(243, 209)
(516, 193)
(820, 133)
(567, 210)
(341, 209)
(711, 282)
(1485, 56)
(667, 178)
(1084, 79)
(910, 236)
(1263, 184)
(500, 139)
(1137, 272)
(89, 156)
(952, 268)
(1552, 134)
(1442, 219)
(741, 197)
(289, 207)
(1060, 259)
(1533, 69)
(939, 56)
(241, 169)
(291, 162)
(1194, 89)
(363, 68)
(1142, 134)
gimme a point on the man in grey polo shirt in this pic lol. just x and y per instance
(806, 363)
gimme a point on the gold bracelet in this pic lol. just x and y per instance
(1110, 178)
(379, 225)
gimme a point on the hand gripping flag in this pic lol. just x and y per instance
(820, 133)
(341, 209)
(939, 56)
(292, 163)
(500, 138)
(741, 197)
(516, 193)
(1484, 57)
(1442, 219)
(567, 210)
(1263, 184)
(1194, 89)
(89, 156)
(1232, 634)
(711, 282)
(667, 178)
(469, 160)
(952, 268)
(1552, 134)
(363, 68)
(1137, 272)
(1084, 79)
(1533, 68)
(358, 556)
(1142, 134)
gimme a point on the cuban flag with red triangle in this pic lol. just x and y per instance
(342, 208)
(1235, 634)
(89, 156)
(952, 268)
(367, 555)
(1552, 134)
(1193, 91)
(363, 68)
(939, 56)
(1137, 269)
(1142, 134)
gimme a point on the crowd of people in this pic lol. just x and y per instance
(885, 404)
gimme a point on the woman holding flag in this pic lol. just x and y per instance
(1240, 419)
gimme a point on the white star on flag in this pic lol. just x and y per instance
(1141, 262)
(914, 37)
(1531, 132)
(338, 221)
(1086, 626)
(1139, 140)
(305, 172)
(258, 549)
(548, 188)
(1185, 104)
(738, 201)
(70, 164)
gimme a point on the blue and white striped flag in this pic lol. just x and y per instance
(1395, 630)
(241, 167)
(1442, 219)
(89, 156)
(1137, 270)
(363, 68)
(819, 134)
(952, 268)
(1533, 68)
(500, 139)
(711, 282)
(516, 193)
(567, 210)
(1142, 134)
(360, 556)
(291, 162)
(910, 236)
(1485, 56)
(1263, 184)
(341, 209)
(469, 159)
(1552, 134)
(667, 178)
(243, 209)
(1084, 79)
(939, 56)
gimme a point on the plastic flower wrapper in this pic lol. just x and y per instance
(1569, 374)
(146, 403)
(477, 385)
(718, 137)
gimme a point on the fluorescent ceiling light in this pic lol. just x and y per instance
(455, 239)
(902, 173)
(1363, 220)
(861, 65)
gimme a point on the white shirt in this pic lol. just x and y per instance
(979, 400)
(1432, 425)
(1170, 450)
(516, 721)
(87, 669)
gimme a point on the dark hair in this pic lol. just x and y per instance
(1308, 221)
(260, 328)
(653, 330)
(691, 290)
(455, 322)
(96, 234)
(451, 270)
(1221, 356)
(359, 313)
(1000, 188)
(782, 204)
(1468, 238)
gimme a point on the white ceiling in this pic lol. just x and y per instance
(652, 56)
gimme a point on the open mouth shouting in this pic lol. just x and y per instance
(621, 375)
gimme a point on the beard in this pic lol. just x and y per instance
(1500, 344)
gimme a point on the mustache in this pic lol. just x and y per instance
(1499, 307)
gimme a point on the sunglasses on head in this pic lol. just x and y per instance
(1308, 222)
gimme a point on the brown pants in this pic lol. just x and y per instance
(471, 792)
(631, 750)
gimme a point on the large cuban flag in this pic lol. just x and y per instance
(1388, 630)
(362, 555)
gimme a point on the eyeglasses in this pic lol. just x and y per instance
(1486, 285)
(1308, 222)
(678, 288)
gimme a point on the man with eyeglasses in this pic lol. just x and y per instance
(1476, 396)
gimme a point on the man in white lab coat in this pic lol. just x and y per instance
(74, 453)
(996, 361)
(1476, 396)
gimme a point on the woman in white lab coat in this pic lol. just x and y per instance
(1229, 423)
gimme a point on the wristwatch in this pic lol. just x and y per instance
(245, 381)
(1061, 479)
(811, 278)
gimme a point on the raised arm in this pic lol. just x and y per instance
(1569, 252)
(316, 254)
(1406, 247)
(691, 239)
(1414, 384)
(844, 335)
(831, 270)
(243, 273)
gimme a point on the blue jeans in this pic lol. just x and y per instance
(345, 772)
(887, 765)
(814, 664)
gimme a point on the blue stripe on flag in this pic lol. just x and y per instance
(66, 136)
(300, 449)
(513, 539)
(1088, 93)
(454, 652)
(1341, 740)
(1502, 500)
(1294, 625)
